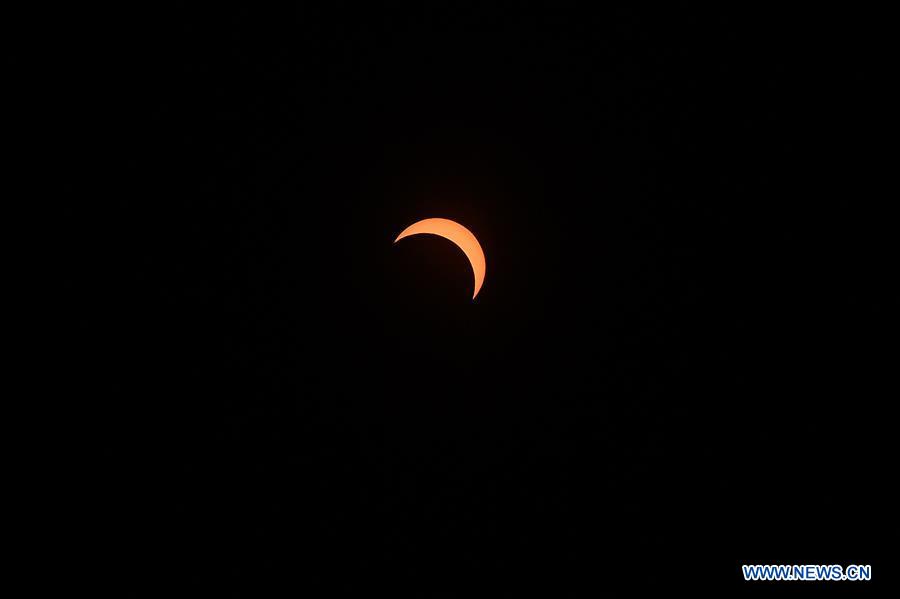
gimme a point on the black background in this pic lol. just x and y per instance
(666, 374)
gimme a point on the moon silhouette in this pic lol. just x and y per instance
(458, 234)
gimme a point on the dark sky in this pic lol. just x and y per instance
(652, 386)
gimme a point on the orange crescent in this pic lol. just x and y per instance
(458, 234)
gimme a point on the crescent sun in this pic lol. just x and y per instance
(458, 234)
